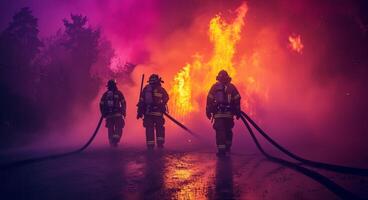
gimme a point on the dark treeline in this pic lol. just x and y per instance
(43, 80)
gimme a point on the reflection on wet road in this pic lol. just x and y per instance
(137, 174)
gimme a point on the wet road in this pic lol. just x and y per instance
(129, 173)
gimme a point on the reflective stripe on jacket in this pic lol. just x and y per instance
(223, 115)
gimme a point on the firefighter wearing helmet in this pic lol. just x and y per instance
(223, 102)
(113, 109)
(152, 104)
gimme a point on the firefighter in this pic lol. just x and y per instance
(223, 102)
(152, 104)
(113, 109)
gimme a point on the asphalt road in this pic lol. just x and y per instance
(134, 173)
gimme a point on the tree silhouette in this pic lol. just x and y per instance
(19, 44)
(81, 43)
(66, 64)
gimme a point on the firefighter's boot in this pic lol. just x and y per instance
(228, 149)
(221, 153)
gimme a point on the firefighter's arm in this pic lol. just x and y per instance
(165, 96)
(164, 99)
(236, 102)
(102, 104)
(210, 102)
(123, 104)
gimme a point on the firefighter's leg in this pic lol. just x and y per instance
(229, 139)
(148, 123)
(229, 134)
(160, 131)
(110, 129)
(111, 133)
(119, 124)
(219, 126)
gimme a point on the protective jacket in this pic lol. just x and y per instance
(113, 104)
(153, 100)
(223, 101)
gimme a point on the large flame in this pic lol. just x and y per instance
(192, 82)
(181, 92)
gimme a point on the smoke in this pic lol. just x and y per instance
(311, 100)
(314, 98)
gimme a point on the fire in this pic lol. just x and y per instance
(181, 92)
(193, 81)
(295, 43)
(224, 37)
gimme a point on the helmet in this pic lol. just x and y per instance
(111, 84)
(154, 79)
(223, 77)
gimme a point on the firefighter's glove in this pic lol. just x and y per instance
(139, 115)
(237, 115)
(104, 115)
(162, 108)
(209, 115)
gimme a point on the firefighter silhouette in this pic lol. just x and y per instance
(152, 104)
(223, 102)
(113, 109)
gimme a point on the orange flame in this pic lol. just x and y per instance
(181, 92)
(192, 82)
(295, 43)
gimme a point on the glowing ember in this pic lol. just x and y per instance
(295, 43)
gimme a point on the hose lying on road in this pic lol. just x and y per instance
(43, 158)
(331, 167)
(330, 185)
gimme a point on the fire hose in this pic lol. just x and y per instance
(182, 125)
(330, 185)
(331, 167)
(49, 157)
(197, 136)
(326, 166)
